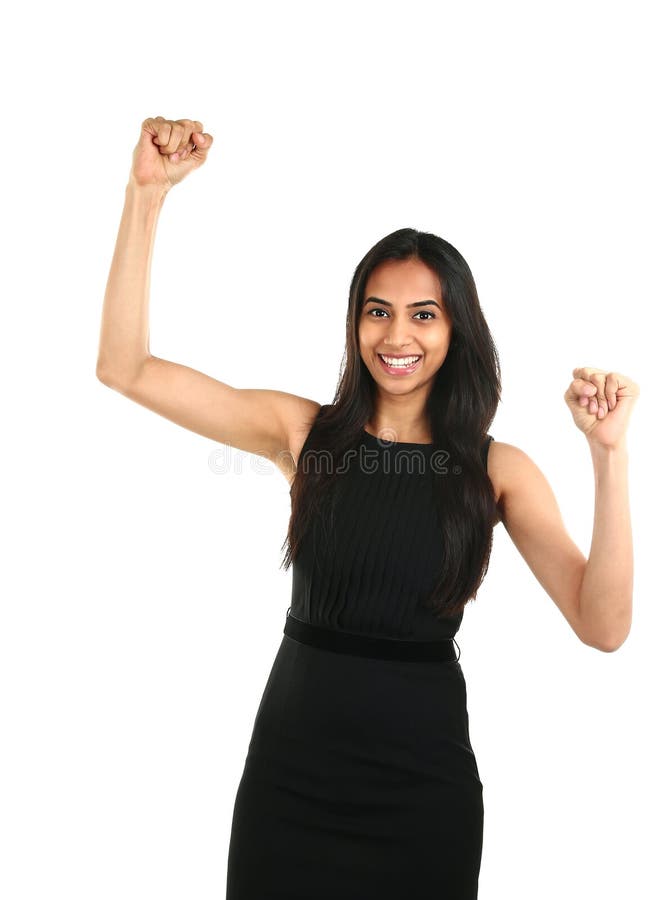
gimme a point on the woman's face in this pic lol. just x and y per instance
(403, 315)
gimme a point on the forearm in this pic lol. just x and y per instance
(606, 589)
(124, 333)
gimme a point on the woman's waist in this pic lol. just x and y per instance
(369, 644)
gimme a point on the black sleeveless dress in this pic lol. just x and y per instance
(360, 780)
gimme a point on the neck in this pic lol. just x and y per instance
(400, 419)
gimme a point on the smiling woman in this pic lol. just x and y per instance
(360, 756)
(413, 301)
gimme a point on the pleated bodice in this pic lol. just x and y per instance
(370, 566)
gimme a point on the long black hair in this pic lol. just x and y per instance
(461, 405)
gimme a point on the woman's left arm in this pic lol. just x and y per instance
(594, 595)
(601, 403)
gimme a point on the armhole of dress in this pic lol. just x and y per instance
(490, 438)
(307, 440)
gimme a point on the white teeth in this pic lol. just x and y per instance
(404, 361)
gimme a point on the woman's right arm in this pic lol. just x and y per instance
(266, 422)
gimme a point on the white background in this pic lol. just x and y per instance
(142, 600)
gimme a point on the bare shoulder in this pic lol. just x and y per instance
(506, 463)
(512, 472)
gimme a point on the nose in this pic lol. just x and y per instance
(397, 335)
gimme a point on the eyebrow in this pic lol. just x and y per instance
(409, 305)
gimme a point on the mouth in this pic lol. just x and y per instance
(399, 365)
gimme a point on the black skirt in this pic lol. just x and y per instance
(360, 782)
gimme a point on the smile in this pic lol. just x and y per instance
(399, 365)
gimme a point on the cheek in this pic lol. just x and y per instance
(439, 347)
(442, 339)
(364, 338)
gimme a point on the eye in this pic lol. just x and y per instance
(422, 312)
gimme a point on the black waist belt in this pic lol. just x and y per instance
(364, 645)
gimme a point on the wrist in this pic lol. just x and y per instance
(150, 191)
(610, 451)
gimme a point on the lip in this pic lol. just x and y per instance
(403, 371)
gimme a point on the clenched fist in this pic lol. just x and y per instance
(167, 150)
(601, 403)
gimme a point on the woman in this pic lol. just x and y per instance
(361, 780)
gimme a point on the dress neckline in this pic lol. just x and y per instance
(388, 443)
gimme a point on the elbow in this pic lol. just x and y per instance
(607, 648)
(101, 374)
(608, 632)
(106, 377)
(116, 377)
(605, 644)
(613, 645)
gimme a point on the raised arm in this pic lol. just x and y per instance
(594, 594)
(267, 422)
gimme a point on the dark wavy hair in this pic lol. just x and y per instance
(461, 405)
